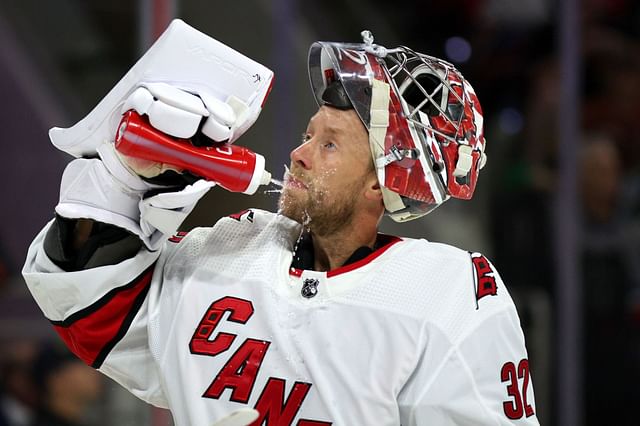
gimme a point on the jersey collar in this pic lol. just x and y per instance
(303, 257)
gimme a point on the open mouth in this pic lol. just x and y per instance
(293, 182)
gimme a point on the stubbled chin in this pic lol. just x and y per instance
(291, 204)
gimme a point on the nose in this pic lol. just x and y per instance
(300, 156)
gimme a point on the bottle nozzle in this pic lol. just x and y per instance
(266, 178)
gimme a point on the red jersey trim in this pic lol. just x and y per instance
(178, 237)
(295, 272)
(92, 332)
(392, 239)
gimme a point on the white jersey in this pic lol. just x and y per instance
(416, 333)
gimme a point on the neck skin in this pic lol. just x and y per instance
(331, 251)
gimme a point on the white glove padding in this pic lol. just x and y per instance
(166, 211)
(107, 192)
(179, 113)
(89, 191)
(187, 59)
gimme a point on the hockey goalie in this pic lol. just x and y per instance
(306, 316)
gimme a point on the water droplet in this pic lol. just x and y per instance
(276, 185)
(272, 191)
(305, 225)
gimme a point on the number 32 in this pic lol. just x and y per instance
(518, 406)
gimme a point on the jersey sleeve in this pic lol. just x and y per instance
(102, 314)
(479, 378)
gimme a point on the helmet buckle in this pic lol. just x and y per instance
(397, 154)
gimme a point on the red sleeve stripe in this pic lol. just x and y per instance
(92, 332)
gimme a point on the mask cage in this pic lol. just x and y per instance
(423, 83)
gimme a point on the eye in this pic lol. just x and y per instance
(305, 138)
(330, 145)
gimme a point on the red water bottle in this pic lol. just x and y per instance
(233, 167)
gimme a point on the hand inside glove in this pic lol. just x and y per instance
(203, 119)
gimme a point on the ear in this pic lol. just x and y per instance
(372, 189)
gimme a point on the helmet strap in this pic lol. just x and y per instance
(379, 122)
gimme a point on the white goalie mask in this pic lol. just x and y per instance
(424, 120)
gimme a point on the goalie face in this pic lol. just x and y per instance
(424, 120)
(330, 181)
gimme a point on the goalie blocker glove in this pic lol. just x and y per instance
(111, 190)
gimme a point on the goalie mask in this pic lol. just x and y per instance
(423, 118)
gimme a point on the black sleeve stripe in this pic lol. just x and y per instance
(139, 300)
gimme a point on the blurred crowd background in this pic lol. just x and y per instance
(58, 58)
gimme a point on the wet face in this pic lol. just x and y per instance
(329, 173)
